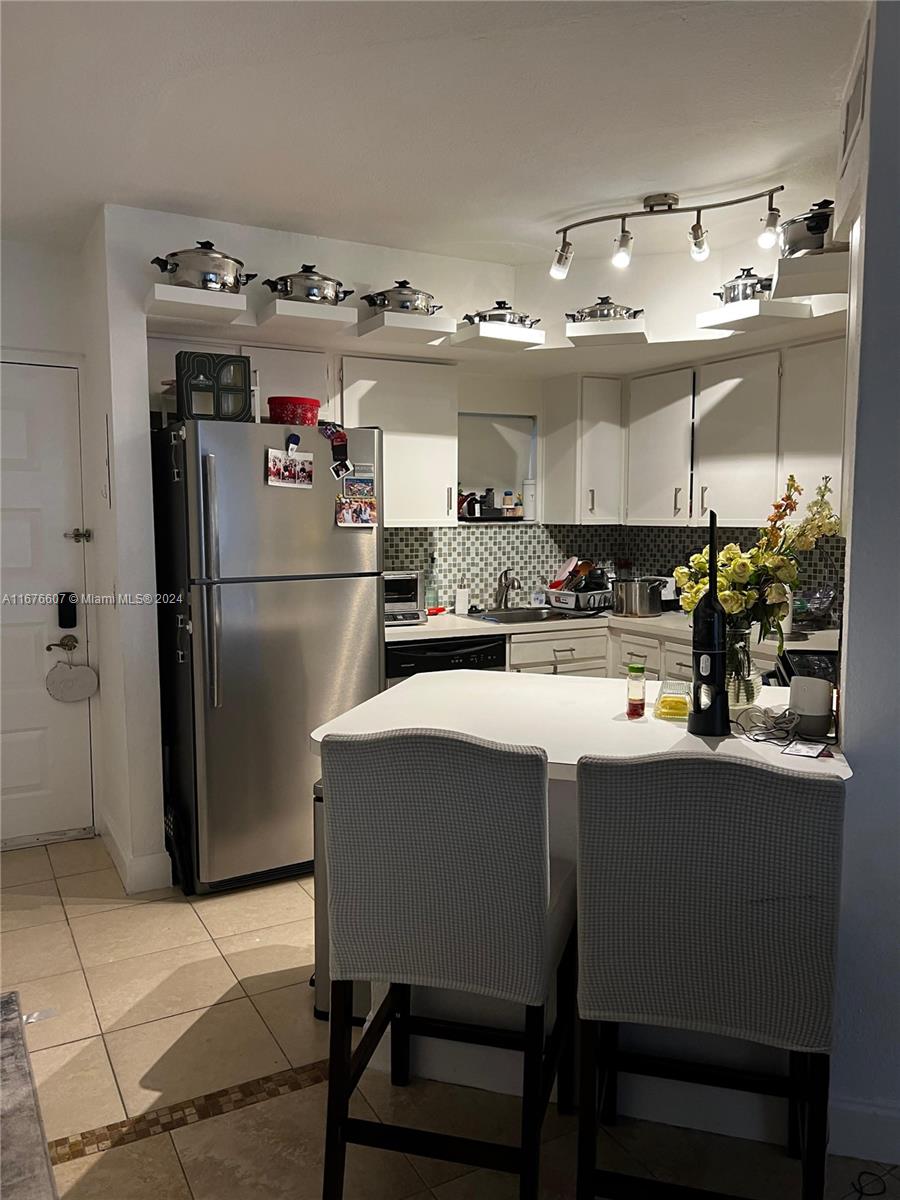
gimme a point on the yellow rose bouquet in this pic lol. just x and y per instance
(753, 584)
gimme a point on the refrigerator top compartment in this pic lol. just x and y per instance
(240, 526)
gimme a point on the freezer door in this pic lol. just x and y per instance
(272, 660)
(242, 527)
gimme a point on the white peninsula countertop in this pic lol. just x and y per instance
(569, 716)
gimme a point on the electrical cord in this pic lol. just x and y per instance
(867, 1183)
(773, 725)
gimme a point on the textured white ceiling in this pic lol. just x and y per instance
(470, 129)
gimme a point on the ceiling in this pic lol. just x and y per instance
(469, 129)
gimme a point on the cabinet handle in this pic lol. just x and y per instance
(676, 507)
(687, 666)
(450, 501)
(563, 649)
(591, 493)
(634, 654)
(703, 505)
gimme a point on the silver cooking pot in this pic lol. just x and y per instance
(310, 285)
(604, 310)
(809, 233)
(403, 297)
(502, 312)
(203, 266)
(746, 285)
(639, 597)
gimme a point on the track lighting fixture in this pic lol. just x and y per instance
(622, 248)
(562, 260)
(661, 204)
(699, 240)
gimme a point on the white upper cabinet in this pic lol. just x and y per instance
(658, 472)
(736, 440)
(812, 416)
(290, 373)
(416, 405)
(582, 434)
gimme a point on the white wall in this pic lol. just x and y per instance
(40, 299)
(866, 1063)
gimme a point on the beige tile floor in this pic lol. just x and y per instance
(157, 999)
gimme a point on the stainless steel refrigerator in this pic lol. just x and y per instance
(277, 625)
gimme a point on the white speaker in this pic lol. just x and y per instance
(811, 701)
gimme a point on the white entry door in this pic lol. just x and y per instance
(46, 745)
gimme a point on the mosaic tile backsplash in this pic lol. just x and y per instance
(476, 554)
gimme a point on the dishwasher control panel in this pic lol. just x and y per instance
(404, 659)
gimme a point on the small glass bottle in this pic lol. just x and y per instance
(637, 690)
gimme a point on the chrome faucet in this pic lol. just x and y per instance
(506, 582)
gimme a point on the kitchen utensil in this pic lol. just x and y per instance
(293, 410)
(504, 313)
(565, 570)
(810, 232)
(204, 267)
(587, 601)
(639, 597)
(403, 297)
(605, 309)
(746, 285)
(308, 285)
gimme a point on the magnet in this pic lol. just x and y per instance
(328, 430)
(340, 469)
(355, 514)
(339, 446)
(292, 445)
(358, 484)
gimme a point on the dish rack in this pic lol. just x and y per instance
(579, 601)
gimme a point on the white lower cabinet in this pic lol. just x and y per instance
(555, 654)
(678, 662)
(416, 405)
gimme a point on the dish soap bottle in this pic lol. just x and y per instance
(431, 592)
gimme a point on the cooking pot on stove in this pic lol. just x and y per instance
(309, 285)
(403, 297)
(746, 285)
(504, 313)
(203, 266)
(605, 309)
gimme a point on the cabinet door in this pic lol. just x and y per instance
(290, 373)
(658, 474)
(601, 452)
(811, 428)
(736, 440)
(416, 406)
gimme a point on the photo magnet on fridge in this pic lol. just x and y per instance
(341, 468)
(358, 485)
(304, 463)
(355, 514)
(275, 468)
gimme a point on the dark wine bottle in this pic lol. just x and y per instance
(709, 716)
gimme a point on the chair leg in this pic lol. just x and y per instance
(400, 993)
(609, 1073)
(587, 1110)
(532, 1109)
(815, 1142)
(339, 1050)
(567, 1013)
(795, 1103)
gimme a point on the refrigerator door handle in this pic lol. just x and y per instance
(214, 641)
(211, 516)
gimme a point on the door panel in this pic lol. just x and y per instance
(659, 449)
(811, 427)
(274, 531)
(601, 451)
(290, 373)
(291, 655)
(46, 747)
(736, 440)
(416, 405)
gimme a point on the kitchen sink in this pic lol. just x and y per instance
(515, 616)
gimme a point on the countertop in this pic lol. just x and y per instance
(674, 625)
(568, 715)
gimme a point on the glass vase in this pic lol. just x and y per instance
(743, 681)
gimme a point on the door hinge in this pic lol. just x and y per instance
(79, 535)
(176, 475)
(180, 656)
(178, 435)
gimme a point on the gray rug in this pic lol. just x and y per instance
(25, 1172)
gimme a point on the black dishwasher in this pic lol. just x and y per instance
(404, 659)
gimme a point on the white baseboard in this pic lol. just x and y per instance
(864, 1130)
(138, 874)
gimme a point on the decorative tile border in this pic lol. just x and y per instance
(187, 1112)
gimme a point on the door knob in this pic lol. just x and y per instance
(79, 535)
(67, 642)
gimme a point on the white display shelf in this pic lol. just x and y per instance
(812, 275)
(745, 315)
(630, 332)
(496, 335)
(197, 304)
(304, 323)
(397, 328)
